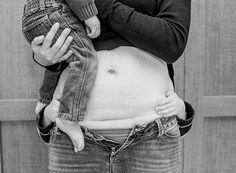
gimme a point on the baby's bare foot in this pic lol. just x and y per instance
(73, 130)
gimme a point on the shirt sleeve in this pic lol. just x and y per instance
(164, 35)
(44, 132)
(186, 124)
(83, 9)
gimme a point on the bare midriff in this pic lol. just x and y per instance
(128, 86)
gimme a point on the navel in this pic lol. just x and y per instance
(112, 70)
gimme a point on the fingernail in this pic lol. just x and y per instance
(70, 38)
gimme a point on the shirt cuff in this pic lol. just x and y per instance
(85, 12)
(44, 132)
(186, 124)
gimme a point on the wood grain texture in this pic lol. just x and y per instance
(219, 144)
(20, 76)
(220, 50)
(218, 106)
(210, 86)
(179, 86)
(23, 108)
(1, 161)
(22, 149)
(194, 53)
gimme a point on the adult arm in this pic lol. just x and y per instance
(164, 35)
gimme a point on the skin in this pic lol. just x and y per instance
(48, 55)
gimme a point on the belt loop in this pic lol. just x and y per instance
(41, 4)
(160, 126)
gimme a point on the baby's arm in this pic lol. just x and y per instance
(86, 11)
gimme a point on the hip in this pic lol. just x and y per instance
(147, 149)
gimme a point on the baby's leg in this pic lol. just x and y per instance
(73, 130)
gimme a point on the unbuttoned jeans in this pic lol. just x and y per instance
(38, 18)
(153, 148)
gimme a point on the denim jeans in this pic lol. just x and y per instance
(38, 18)
(153, 148)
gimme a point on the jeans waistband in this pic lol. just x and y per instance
(157, 127)
(38, 5)
(33, 7)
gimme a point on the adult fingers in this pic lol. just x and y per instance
(63, 49)
(167, 100)
(169, 93)
(61, 40)
(168, 112)
(164, 107)
(37, 41)
(66, 56)
(49, 37)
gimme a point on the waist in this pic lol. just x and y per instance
(129, 83)
(157, 127)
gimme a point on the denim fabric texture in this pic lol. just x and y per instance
(38, 18)
(153, 148)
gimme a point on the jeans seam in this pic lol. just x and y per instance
(77, 100)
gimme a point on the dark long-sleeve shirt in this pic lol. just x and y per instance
(159, 27)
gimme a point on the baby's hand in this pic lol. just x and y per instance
(93, 27)
(171, 105)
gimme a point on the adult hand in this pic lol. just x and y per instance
(172, 105)
(51, 112)
(45, 54)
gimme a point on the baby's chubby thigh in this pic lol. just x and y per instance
(60, 85)
(72, 129)
(57, 93)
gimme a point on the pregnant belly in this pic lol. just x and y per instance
(128, 86)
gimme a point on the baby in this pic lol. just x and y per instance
(80, 17)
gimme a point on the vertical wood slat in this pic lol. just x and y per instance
(1, 162)
(22, 151)
(195, 51)
(210, 87)
(179, 88)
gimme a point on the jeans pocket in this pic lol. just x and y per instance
(172, 134)
(36, 26)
